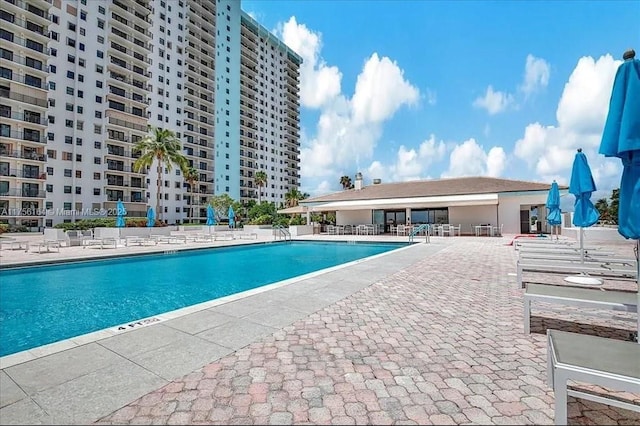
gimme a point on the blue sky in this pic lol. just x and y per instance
(405, 90)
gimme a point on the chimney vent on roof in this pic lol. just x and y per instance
(377, 181)
(358, 183)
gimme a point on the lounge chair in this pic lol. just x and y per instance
(610, 363)
(77, 237)
(138, 240)
(578, 296)
(57, 235)
(46, 246)
(599, 269)
(13, 244)
(102, 242)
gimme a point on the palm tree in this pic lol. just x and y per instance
(260, 179)
(162, 147)
(345, 181)
(191, 175)
(602, 205)
(292, 197)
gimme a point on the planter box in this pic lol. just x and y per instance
(296, 230)
(260, 230)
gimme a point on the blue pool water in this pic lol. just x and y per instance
(45, 304)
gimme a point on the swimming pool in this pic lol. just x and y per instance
(46, 304)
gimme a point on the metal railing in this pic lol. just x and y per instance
(280, 232)
(27, 155)
(23, 174)
(18, 192)
(424, 227)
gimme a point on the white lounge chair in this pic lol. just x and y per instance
(599, 269)
(46, 246)
(613, 364)
(577, 296)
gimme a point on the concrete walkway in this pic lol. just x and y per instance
(430, 334)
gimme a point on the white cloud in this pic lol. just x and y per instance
(496, 160)
(494, 101)
(585, 100)
(319, 83)
(536, 75)
(348, 128)
(581, 112)
(470, 159)
(409, 163)
(380, 91)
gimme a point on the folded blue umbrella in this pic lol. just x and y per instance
(621, 138)
(211, 216)
(151, 218)
(121, 212)
(582, 186)
(232, 217)
(553, 205)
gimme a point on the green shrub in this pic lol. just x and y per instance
(17, 228)
(4, 228)
(298, 220)
(282, 221)
(264, 219)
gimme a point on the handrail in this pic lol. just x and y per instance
(424, 227)
(281, 231)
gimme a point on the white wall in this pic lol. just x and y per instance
(472, 215)
(509, 209)
(354, 217)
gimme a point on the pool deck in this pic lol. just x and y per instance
(428, 334)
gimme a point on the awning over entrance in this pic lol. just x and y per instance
(294, 210)
(413, 203)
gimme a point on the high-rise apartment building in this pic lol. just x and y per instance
(81, 81)
(24, 38)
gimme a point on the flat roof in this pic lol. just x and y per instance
(263, 32)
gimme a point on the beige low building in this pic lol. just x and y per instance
(466, 201)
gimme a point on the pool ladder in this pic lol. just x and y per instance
(424, 227)
(280, 232)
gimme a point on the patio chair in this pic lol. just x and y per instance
(76, 238)
(496, 231)
(594, 360)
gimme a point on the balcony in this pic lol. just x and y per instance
(24, 136)
(26, 80)
(20, 192)
(23, 98)
(117, 122)
(26, 155)
(127, 199)
(123, 64)
(26, 174)
(113, 150)
(122, 168)
(35, 29)
(28, 118)
(135, 83)
(125, 183)
(135, 97)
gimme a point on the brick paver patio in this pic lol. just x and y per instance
(440, 342)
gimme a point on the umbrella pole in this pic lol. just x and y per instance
(637, 253)
(581, 244)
